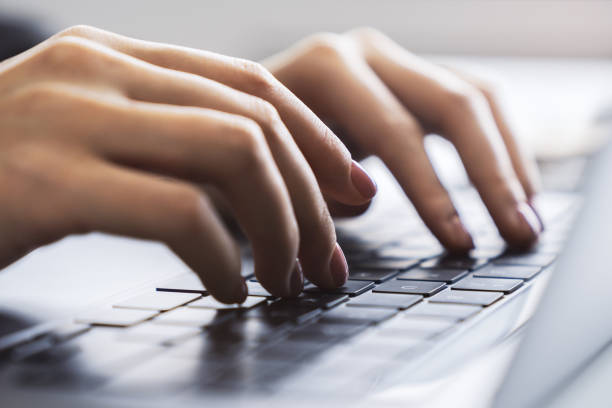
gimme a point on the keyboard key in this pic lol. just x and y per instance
(423, 327)
(466, 297)
(398, 252)
(250, 329)
(424, 288)
(184, 316)
(153, 300)
(458, 312)
(510, 272)
(255, 289)
(209, 302)
(326, 332)
(285, 309)
(454, 262)
(321, 300)
(351, 288)
(158, 334)
(437, 275)
(116, 317)
(385, 300)
(188, 283)
(536, 259)
(350, 315)
(377, 276)
(385, 264)
(68, 331)
(489, 284)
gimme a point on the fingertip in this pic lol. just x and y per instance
(525, 226)
(338, 267)
(460, 239)
(362, 181)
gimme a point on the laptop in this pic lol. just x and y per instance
(412, 326)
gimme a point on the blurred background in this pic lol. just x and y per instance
(552, 57)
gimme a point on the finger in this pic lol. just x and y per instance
(318, 241)
(131, 203)
(195, 144)
(360, 103)
(447, 105)
(522, 161)
(329, 159)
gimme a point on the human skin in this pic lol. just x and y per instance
(100, 132)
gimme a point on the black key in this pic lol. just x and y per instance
(437, 275)
(509, 272)
(424, 288)
(287, 310)
(188, 283)
(536, 259)
(351, 288)
(252, 329)
(385, 300)
(386, 264)
(455, 262)
(489, 284)
(326, 332)
(351, 315)
(377, 276)
(466, 297)
(458, 312)
(320, 300)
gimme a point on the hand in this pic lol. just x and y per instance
(99, 132)
(385, 100)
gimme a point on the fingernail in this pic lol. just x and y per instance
(529, 217)
(338, 267)
(241, 292)
(537, 213)
(461, 236)
(296, 283)
(362, 181)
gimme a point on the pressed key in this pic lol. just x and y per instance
(153, 300)
(116, 317)
(377, 276)
(509, 272)
(437, 275)
(455, 262)
(489, 284)
(424, 288)
(386, 264)
(184, 316)
(466, 297)
(188, 283)
(350, 315)
(458, 312)
(209, 302)
(537, 259)
(351, 288)
(385, 300)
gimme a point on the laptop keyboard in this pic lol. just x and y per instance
(403, 296)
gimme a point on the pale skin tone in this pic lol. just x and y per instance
(99, 132)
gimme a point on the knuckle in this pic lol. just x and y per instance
(66, 50)
(259, 80)
(366, 33)
(327, 45)
(79, 30)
